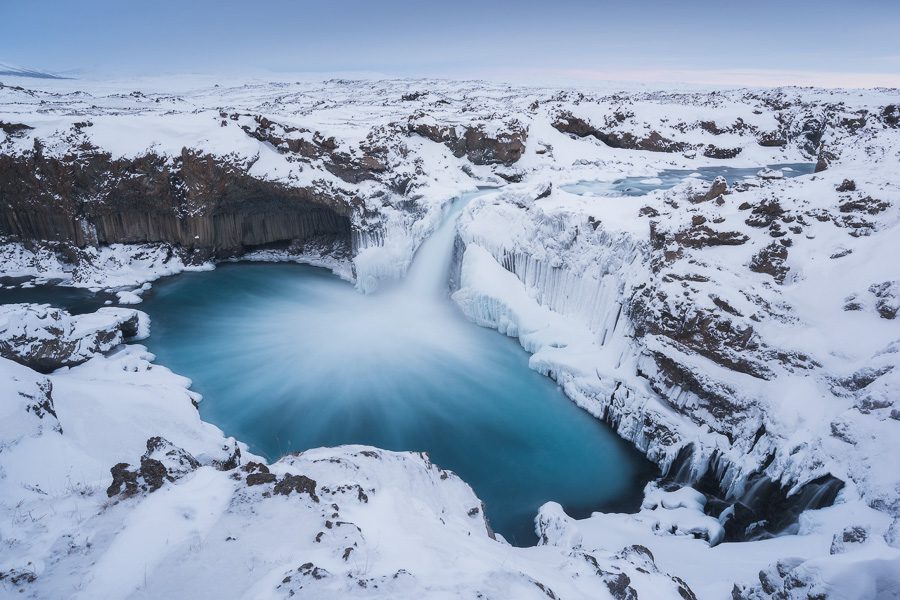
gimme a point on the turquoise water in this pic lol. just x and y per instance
(669, 178)
(289, 357)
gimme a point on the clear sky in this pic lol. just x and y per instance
(846, 42)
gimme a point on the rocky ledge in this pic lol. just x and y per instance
(46, 339)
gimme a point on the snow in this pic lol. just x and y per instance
(128, 297)
(210, 533)
(172, 518)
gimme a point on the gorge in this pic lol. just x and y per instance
(712, 324)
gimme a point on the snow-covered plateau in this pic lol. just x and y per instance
(742, 334)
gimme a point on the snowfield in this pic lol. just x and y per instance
(742, 334)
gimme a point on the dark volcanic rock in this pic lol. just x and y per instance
(771, 260)
(710, 333)
(162, 462)
(619, 586)
(848, 537)
(296, 483)
(772, 139)
(260, 478)
(703, 236)
(719, 187)
(866, 204)
(848, 185)
(715, 152)
(475, 143)
(194, 201)
(765, 214)
(823, 159)
(14, 129)
(654, 142)
(890, 114)
(45, 339)
(812, 130)
(569, 123)
(124, 481)
(176, 460)
(154, 473)
(258, 474)
(887, 298)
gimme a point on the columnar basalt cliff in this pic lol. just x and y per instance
(194, 201)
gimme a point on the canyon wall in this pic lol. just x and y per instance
(194, 201)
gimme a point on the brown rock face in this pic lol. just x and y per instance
(195, 201)
(296, 483)
(823, 159)
(890, 114)
(45, 338)
(718, 187)
(653, 142)
(848, 185)
(772, 139)
(715, 152)
(14, 129)
(163, 462)
(771, 261)
(703, 236)
(866, 204)
(475, 143)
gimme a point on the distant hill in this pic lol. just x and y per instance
(14, 71)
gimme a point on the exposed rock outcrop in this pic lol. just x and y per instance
(718, 188)
(162, 462)
(653, 141)
(194, 200)
(887, 298)
(771, 261)
(475, 142)
(46, 338)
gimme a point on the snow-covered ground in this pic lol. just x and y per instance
(742, 335)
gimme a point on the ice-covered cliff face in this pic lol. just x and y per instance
(721, 300)
(744, 335)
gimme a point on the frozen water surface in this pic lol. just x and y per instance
(669, 178)
(75, 300)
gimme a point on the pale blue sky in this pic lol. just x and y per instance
(463, 38)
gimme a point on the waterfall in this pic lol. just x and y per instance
(429, 274)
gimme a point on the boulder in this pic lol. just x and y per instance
(162, 462)
(771, 261)
(45, 338)
(718, 188)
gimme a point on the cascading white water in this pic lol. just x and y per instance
(429, 274)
